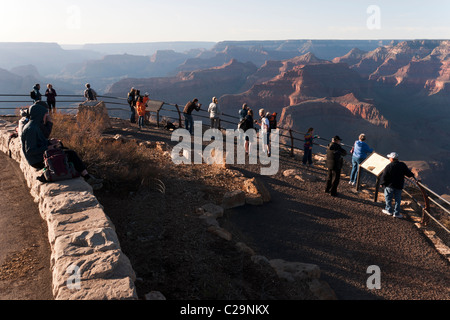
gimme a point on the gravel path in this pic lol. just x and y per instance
(343, 236)
(24, 250)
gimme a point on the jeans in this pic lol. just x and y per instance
(355, 163)
(215, 123)
(307, 156)
(393, 194)
(333, 179)
(141, 121)
(133, 114)
(189, 122)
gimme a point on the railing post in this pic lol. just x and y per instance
(292, 142)
(179, 116)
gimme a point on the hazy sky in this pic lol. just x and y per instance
(113, 21)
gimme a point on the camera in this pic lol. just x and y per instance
(24, 113)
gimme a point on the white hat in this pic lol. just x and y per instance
(392, 155)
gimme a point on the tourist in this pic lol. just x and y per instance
(35, 94)
(214, 113)
(248, 126)
(50, 93)
(90, 93)
(335, 154)
(140, 108)
(360, 151)
(131, 103)
(187, 112)
(308, 146)
(35, 142)
(265, 131)
(243, 112)
(393, 181)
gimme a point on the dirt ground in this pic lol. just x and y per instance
(172, 252)
(171, 249)
(24, 251)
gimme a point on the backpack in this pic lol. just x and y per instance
(33, 95)
(57, 166)
(90, 95)
(243, 124)
(272, 121)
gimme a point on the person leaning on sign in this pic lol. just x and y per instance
(393, 181)
(335, 154)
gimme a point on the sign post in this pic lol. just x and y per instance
(375, 164)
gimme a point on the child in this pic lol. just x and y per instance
(140, 106)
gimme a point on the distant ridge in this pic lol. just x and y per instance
(147, 48)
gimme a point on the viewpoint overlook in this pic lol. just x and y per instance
(251, 230)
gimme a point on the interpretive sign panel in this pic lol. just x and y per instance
(375, 163)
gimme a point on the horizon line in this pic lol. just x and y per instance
(248, 40)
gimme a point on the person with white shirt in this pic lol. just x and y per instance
(214, 113)
(265, 131)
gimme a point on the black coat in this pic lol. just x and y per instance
(394, 174)
(334, 156)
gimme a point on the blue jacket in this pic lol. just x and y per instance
(34, 142)
(361, 149)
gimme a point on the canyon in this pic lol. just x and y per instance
(397, 92)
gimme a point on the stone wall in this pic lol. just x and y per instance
(87, 262)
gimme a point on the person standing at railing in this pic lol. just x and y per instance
(335, 154)
(360, 151)
(187, 112)
(140, 107)
(264, 132)
(131, 102)
(393, 181)
(308, 146)
(50, 93)
(35, 94)
(243, 112)
(214, 113)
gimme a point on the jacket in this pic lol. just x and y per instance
(394, 174)
(34, 142)
(50, 94)
(309, 141)
(335, 154)
(214, 110)
(37, 93)
(361, 149)
(189, 107)
(140, 107)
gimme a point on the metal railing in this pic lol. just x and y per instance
(435, 209)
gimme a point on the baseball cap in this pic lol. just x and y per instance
(392, 155)
(337, 138)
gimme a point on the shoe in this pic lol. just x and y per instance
(398, 216)
(350, 182)
(386, 212)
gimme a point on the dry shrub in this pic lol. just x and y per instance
(121, 164)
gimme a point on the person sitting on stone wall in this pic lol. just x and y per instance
(35, 142)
